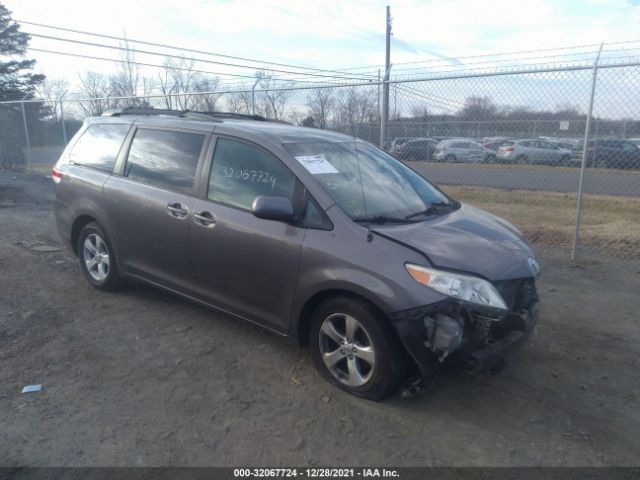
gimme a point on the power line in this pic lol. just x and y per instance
(147, 52)
(433, 97)
(413, 96)
(115, 60)
(161, 45)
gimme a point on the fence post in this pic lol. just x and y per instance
(576, 233)
(64, 128)
(26, 130)
(385, 109)
(253, 96)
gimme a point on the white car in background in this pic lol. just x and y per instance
(462, 150)
(529, 151)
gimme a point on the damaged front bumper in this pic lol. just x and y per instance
(477, 336)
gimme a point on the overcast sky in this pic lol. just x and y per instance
(331, 34)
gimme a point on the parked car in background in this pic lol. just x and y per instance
(397, 143)
(529, 151)
(457, 150)
(494, 145)
(417, 149)
(612, 153)
(565, 145)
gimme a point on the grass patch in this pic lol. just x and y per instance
(610, 224)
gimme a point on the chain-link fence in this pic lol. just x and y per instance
(509, 141)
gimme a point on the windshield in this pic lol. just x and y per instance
(366, 182)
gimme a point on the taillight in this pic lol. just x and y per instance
(508, 149)
(56, 175)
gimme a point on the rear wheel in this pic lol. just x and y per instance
(450, 158)
(97, 259)
(522, 159)
(491, 158)
(355, 348)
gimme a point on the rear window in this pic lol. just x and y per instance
(98, 146)
(164, 158)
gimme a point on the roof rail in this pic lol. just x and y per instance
(120, 112)
(190, 114)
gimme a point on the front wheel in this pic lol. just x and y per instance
(355, 348)
(450, 158)
(97, 259)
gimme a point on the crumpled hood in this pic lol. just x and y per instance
(468, 240)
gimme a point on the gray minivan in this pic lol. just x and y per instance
(312, 234)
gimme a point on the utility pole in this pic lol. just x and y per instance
(385, 85)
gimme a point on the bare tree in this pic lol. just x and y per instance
(238, 102)
(320, 102)
(94, 86)
(274, 96)
(208, 99)
(183, 79)
(52, 89)
(479, 108)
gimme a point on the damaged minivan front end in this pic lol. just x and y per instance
(476, 335)
(486, 275)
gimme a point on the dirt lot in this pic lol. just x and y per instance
(142, 378)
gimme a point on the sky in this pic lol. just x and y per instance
(325, 34)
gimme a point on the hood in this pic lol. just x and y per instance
(468, 240)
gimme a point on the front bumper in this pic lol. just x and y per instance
(487, 339)
(494, 354)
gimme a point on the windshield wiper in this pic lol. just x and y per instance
(432, 208)
(382, 219)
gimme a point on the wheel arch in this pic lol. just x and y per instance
(76, 227)
(302, 317)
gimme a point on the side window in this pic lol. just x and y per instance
(241, 172)
(99, 145)
(164, 158)
(313, 216)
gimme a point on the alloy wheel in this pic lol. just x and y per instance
(96, 257)
(346, 349)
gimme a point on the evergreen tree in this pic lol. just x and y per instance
(16, 79)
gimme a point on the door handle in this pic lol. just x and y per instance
(177, 210)
(204, 219)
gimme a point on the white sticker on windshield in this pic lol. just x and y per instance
(316, 164)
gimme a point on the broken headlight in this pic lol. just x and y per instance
(462, 287)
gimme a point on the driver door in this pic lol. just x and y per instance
(244, 264)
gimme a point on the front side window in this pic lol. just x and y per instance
(99, 145)
(241, 172)
(366, 182)
(164, 159)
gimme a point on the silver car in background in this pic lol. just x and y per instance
(462, 150)
(528, 151)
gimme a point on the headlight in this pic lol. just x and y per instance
(463, 287)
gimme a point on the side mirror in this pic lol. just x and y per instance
(273, 208)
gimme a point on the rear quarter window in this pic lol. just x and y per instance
(98, 146)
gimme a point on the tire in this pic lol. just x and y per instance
(490, 158)
(102, 274)
(522, 159)
(450, 158)
(565, 161)
(379, 367)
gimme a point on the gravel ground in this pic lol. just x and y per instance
(140, 377)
